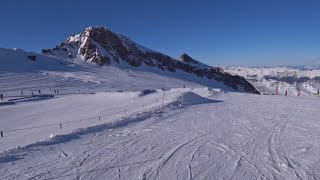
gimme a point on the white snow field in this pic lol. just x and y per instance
(197, 134)
(139, 123)
(18, 73)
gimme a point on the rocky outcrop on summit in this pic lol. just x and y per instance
(101, 46)
(187, 59)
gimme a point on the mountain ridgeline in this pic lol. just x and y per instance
(101, 46)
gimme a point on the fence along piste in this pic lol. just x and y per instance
(59, 124)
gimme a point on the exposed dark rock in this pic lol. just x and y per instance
(187, 59)
(32, 57)
(289, 79)
(147, 92)
(46, 51)
(102, 46)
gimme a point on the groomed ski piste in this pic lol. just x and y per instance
(142, 125)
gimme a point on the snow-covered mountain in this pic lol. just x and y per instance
(112, 109)
(101, 46)
(305, 79)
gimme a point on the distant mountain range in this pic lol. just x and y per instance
(292, 79)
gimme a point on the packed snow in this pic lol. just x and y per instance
(74, 120)
(196, 134)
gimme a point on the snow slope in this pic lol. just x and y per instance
(23, 122)
(121, 122)
(99, 45)
(199, 134)
(18, 73)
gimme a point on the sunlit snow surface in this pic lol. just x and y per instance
(221, 136)
(91, 131)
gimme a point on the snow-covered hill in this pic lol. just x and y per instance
(100, 106)
(177, 134)
(99, 58)
(101, 46)
(305, 79)
(20, 75)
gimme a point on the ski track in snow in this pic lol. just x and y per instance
(230, 136)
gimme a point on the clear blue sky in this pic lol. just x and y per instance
(217, 32)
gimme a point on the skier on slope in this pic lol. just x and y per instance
(286, 93)
(1, 96)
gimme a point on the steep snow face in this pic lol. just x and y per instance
(80, 46)
(101, 46)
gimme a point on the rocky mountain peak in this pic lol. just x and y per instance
(101, 46)
(187, 59)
